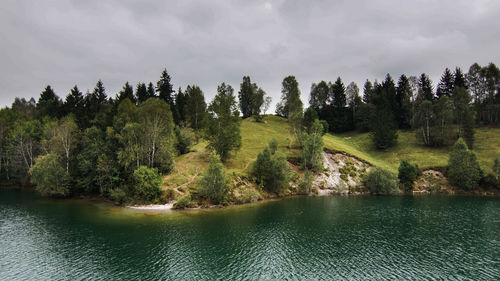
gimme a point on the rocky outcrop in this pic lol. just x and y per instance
(342, 174)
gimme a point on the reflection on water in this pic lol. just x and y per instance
(427, 237)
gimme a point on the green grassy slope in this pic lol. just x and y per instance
(256, 136)
(487, 147)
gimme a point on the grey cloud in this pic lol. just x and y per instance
(63, 43)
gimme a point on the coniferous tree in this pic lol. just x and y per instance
(74, 101)
(214, 184)
(368, 92)
(463, 168)
(446, 85)
(353, 99)
(141, 92)
(403, 99)
(180, 105)
(99, 93)
(151, 91)
(459, 79)
(126, 93)
(49, 103)
(165, 89)
(195, 108)
(425, 88)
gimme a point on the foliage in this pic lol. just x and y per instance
(185, 138)
(118, 195)
(184, 202)
(407, 174)
(306, 183)
(271, 171)
(50, 177)
(496, 168)
(463, 168)
(147, 182)
(273, 146)
(312, 146)
(195, 107)
(213, 185)
(223, 130)
(380, 181)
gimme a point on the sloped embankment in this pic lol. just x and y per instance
(342, 174)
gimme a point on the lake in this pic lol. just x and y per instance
(301, 238)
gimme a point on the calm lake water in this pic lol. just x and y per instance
(305, 238)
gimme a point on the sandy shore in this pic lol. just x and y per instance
(167, 206)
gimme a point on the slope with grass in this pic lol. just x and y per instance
(257, 135)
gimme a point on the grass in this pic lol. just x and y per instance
(486, 147)
(256, 136)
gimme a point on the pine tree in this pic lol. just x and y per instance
(99, 93)
(463, 168)
(180, 105)
(165, 89)
(126, 93)
(338, 94)
(141, 92)
(403, 99)
(49, 103)
(425, 88)
(459, 79)
(368, 92)
(151, 91)
(446, 85)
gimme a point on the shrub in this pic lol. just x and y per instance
(407, 174)
(273, 146)
(380, 181)
(496, 168)
(248, 195)
(312, 146)
(306, 183)
(271, 171)
(118, 195)
(185, 138)
(214, 185)
(184, 202)
(147, 183)
(49, 176)
(463, 168)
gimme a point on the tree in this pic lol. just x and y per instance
(195, 107)
(338, 95)
(223, 131)
(407, 174)
(446, 85)
(63, 138)
(180, 105)
(245, 96)
(125, 113)
(257, 102)
(353, 98)
(49, 103)
(126, 93)
(403, 99)
(468, 127)
(157, 124)
(312, 146)
(165, 89)
(151, 91)
(320, 95)
(459, 79)
(49, 176)
(25, 137)
(141, 92)
(131, 154)
(147, 184)
(381, 182)
(74, 101)
(383, 126)
(461, 100)
(214, 185)
(291, 106)
(368, 92)
(463, 168)
(425, 88)
(93, 145)
(185, 137)
(271, 171)
(310, 116)
(267, 103)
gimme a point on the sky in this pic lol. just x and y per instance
(74, 42)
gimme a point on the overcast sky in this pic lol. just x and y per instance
(63, 43)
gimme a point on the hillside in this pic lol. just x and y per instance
(256, 136)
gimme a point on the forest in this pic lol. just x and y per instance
(121, 146)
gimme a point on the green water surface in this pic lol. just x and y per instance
(304, 238)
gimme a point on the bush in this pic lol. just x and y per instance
(380, 181)
(407, 174)
(214, 185)
(49, 176)
(248, 195)
(306, 183)
(184, 202)
(147, 183)
(463, 168)
(271, 171)
(273, 146)
(118, 195)
(185, 138)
